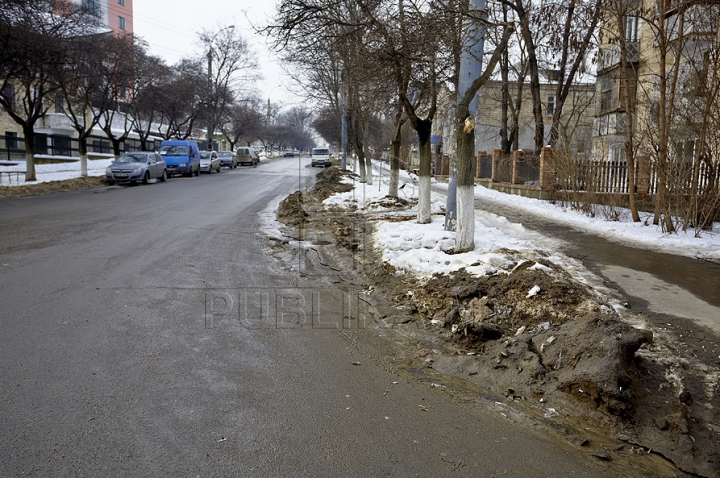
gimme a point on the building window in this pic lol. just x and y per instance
(630, 24)
(684, 151)
(92, 7)
(121, 2)
(11, 140)
(59, 104)
(550, 110)
(40, 143)
(121, 23)
(609, 92)
(617, 152)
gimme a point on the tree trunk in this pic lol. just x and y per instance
(395, 156)
(29, 156)
(115, 146)
(368, 159)
(465, 137)
(534, 76)
(629, 120)
(424, 128)
(82, 149)
(505, 102)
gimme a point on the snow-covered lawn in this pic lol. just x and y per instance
(46, 173)
(425, 249)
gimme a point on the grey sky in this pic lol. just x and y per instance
(171, 28)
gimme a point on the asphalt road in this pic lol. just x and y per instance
(145, 332)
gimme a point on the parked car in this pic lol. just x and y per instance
(247, 156)
(138, 166)
(227, 159)
(182, 156)
(209, 162)
(320, 157)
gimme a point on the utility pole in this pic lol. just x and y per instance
(344, 126)
(470, 68)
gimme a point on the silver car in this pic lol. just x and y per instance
(139, 166)
(227, 158)
(209, 162)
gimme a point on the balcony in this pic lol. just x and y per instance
(609, 125)
(56, 121)
(610, 56)
(700, 19)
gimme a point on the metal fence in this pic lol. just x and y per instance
(12, 147)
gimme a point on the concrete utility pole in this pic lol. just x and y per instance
(344, 126)
(470, 69)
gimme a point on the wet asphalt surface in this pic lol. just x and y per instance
(146, 332)
(657, 284)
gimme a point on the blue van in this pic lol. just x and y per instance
(181, 156)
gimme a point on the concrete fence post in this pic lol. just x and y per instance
(445, 169)
(479, 158)
(547, 167)
(517, 156)
(643, 175)
(496, 156)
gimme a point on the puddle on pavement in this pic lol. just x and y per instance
(662, 297)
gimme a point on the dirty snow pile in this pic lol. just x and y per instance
(427, 249)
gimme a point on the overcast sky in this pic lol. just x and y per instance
(171, 28)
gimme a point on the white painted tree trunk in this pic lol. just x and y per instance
(83, 165)
(465, 234)
(361, 166)
(424, 200)
(369, 173)
(394, 182)
(30, 165)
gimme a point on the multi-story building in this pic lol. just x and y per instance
(576, 122)
(652, 33)
(114, 14)
(54, 133)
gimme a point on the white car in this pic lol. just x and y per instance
(209, 162)
(320, 157)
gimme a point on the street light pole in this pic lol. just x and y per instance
(211, 112)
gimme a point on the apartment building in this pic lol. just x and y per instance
(115, 14)
(576, 122)
(54, 134)
(670, 52)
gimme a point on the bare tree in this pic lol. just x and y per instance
(232, 68)
(119, 74)
(184, 98)
(32, 51)
(151, 77)
(86, 83)
(242, 121)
